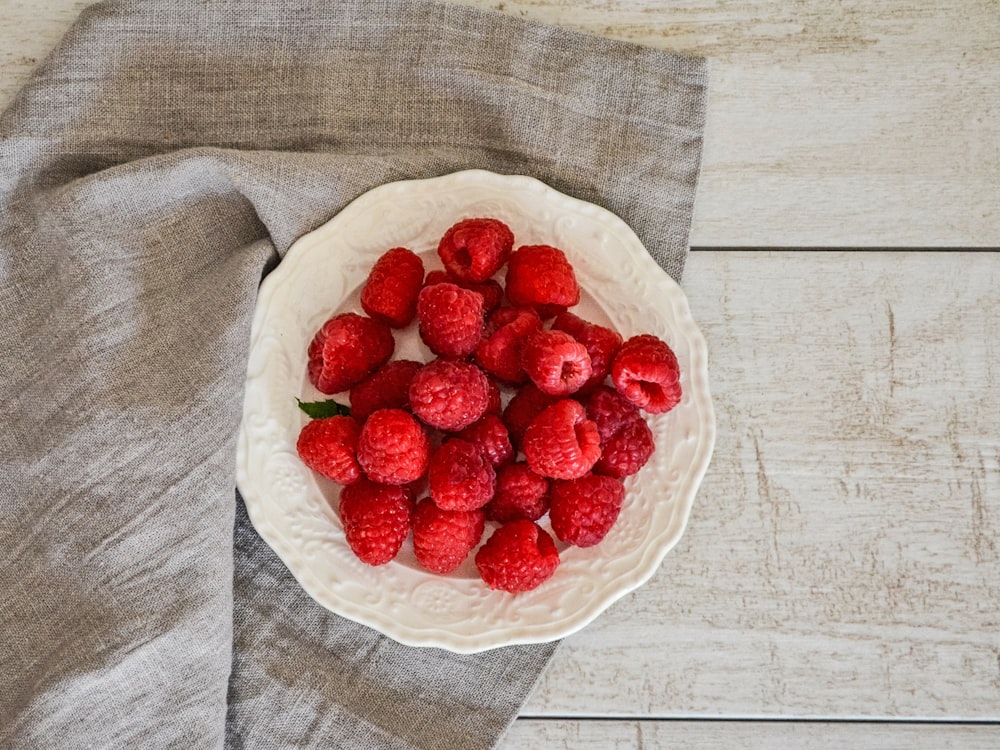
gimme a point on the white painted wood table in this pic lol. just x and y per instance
(838, 585)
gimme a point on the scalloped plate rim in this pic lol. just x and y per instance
(503, 634)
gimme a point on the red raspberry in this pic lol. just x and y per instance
(541, 276)
(521, 493)
(451, 319)
(645, 372)
(561, 442)
(330, 447)
(602, 345)
(449, 395)
(519, 556)
(491, 290)
(475, 249)
(521, 411)
(376, 519)
(493, 403)
(556, 362)
(393, 448)
(388, 388)
(346, 350)
(442, 539)
(499, 351)
(583, 510)
(627, 451)
(390, 293)
(610, 411)
(490, 435)
(460, 477)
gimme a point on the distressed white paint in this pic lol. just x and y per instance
(689, 735)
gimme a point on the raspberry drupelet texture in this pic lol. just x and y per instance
(542, 277)
(491, 290)
(499, 351)
(376, 519)
(490, 435)
(518, 556)
(346, 350)
(561, 443)
(387, 388)
(556, 362)
(583, 510)
(475, 249)
(610, 411)
(627, 450)
(494, 401)
(460, 477)
(330, 448)
(602, 344)
(393, 447)
(442, 539)
(449, 395)
(520, 493)
(390, 292)
(645, 371)
(522, 409)
(451, 319)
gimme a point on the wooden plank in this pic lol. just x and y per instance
(716, 735)
(843, 555)
(861, 124)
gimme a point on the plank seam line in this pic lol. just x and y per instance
(758, 720)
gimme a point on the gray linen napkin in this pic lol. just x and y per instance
(157, 164)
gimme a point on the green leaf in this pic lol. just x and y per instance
(324, 409)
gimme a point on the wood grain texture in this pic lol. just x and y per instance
(848, 124)
(692, 735)
(842, 558)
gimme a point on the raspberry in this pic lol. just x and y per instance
(330, 446)
(556, 362)
(346, 350)
(460, 477)
(627, 451)
(583, 510)
(521, 411)
(541, 276)
(491, 290)
(520, 493)
(561, 442)
(451, 319)
(610, 411)
(475, 249)
(376, 520)
(442, 539)
(449, 395)
(519, 556)
(493, 402)
(602, 345)
(499, 351)
(393, 448)
(390, 293)
(387, 388)
(490, 436)
(645, 372)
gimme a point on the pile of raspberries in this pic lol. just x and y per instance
(527, 409)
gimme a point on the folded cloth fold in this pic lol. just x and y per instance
(157, 164)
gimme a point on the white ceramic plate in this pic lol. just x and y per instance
(291, 507)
